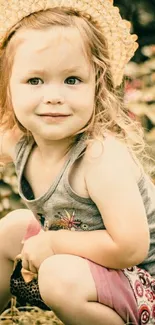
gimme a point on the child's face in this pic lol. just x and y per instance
(52, 83)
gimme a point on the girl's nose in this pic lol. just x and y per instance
(53, 95)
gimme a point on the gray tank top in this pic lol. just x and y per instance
(61, 208)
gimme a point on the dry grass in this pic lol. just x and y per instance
(28, 316)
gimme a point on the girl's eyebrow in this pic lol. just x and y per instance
(78, 69)
(75, 68)
(36, 71)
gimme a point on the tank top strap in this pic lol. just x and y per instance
(75, 151)
(78, 149)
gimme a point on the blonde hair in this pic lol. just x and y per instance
(110, 113)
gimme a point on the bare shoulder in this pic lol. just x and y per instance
(109, 154)
(8, 141)
(110, 145)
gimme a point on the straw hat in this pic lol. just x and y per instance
(121, 44)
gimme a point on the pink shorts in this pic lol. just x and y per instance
(114, 290)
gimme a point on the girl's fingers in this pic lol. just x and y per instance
(28, 266)
(25, 264)
(32, 268)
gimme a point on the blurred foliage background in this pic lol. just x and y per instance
(139, 88)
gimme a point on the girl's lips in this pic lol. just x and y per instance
(54, 115)
(49, 118)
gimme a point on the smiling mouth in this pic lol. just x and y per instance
(53, 115)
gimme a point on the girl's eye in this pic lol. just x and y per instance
(35, 81)
(72, 81)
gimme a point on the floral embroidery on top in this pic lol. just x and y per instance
(61, 220)
(66, 221)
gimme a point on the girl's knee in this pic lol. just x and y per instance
(12, 230)
(61, 276)
(54, 282)
(20, 216)
(60, 268)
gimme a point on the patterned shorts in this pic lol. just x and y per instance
(130, 292)
(143, 286)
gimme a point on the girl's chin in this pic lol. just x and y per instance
(51, 137)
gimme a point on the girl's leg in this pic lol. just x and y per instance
(67, 287)
(12, 231)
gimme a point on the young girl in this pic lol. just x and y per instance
(79, 162)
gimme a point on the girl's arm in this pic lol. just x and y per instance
(8, 141)
(112, 185)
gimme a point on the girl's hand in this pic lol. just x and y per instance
(35, 250)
